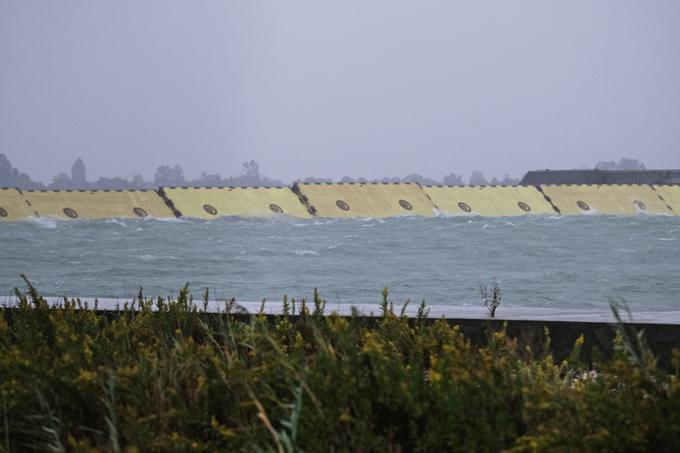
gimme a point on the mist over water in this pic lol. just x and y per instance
(558, 262)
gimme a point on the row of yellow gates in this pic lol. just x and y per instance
(341, 200)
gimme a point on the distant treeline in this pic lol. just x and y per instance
(166, 176)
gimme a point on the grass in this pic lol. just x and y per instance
(161, 375)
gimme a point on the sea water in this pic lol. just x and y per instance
(579, 263)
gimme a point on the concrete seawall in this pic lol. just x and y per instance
(599, 177)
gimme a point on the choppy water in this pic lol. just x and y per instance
(560, 262)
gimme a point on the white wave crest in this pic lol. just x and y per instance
(44, 222)
(306, 252)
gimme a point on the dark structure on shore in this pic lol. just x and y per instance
(659, 177)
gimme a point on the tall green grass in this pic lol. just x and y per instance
(160, 375)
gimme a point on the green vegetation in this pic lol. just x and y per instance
(160, 375)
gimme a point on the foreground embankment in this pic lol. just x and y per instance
(161, 375)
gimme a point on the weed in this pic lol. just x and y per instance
(491, 297)
(161, 375)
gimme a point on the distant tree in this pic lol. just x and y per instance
(139, 183)
(453, 179)
(631, 164)
(605, 165)
(62, 181)
(113, 183)
(508, 181)
(250, 176)
(78, 175)
(251, 170)
(11, 177)
(8, 174)
(477, 178)
(169, 176)
(494, 182)
(347, 179)
(415, 177)
(623, 164)
(206, 180)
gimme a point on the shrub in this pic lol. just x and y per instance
(162, 375)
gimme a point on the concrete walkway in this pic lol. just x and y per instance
(510, 313)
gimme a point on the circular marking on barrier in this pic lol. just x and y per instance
(3, 213)
(70, 213)
(139, 212)
(276, 208)
(405, 204)
(342, 205)
(583, 205)
(464, 207)
(210, 209)
(523, 206)
(640, 205)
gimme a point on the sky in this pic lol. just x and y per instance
(364, 88)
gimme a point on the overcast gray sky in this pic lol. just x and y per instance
(354, 87)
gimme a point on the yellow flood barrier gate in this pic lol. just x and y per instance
(338, 200)
(669, 195)
(212, 202)
(98, 204)
(609, 199)
(365, 199)
(489, 200)
(13, 205)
